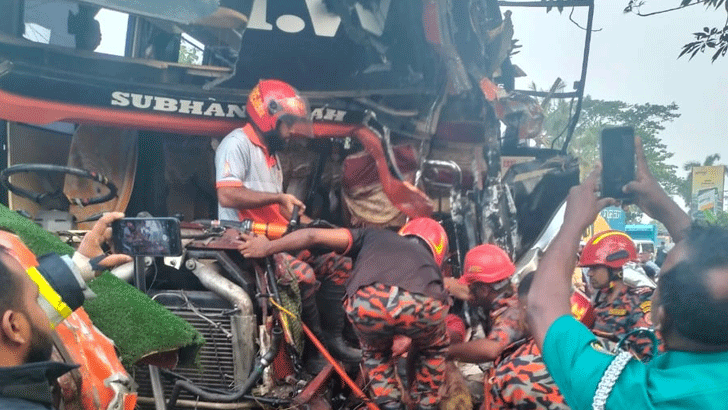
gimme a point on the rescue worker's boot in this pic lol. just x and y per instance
(313, 360)
(333, 319)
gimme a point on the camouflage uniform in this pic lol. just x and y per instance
(329, 266)
(310, 268)
(629, 310)
(378, 313)
(519, 380)
(503, 325)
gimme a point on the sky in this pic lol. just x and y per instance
(112, 23)
(634, 59)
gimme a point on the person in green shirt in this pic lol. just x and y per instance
(689, 308)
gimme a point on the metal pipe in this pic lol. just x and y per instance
(214, 281)
(570, 94)
(252, 402)
(124, 272)
(387, 110)
(315, 179)
(204, 404)
(140, 280)
(157, 389)
(271, 275)
(140, 277)
(244, 323)
(582, 81)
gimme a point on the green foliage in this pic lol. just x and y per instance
(711, 39)
(632, 215)
(647, 119)
(716, 217)
(188, 54)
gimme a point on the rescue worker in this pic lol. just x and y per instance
(396, 288)
(29, 308)
(248, 175)
(518, 378)
(249, 185)
(690, 308)
(618, 308)
(487, 273)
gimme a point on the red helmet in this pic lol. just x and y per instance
(272, 100)
(608, 248)
(431, 232)
(488, 264)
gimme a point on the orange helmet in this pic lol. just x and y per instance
(17, 249)
(488, 264)
(61, 288)
(609, 248)
(271, 101)
(431, 232)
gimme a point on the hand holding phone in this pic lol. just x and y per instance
(147, 236)
(618, 162)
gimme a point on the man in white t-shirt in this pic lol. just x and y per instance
(249, 185)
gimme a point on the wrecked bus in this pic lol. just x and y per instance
(415, 113)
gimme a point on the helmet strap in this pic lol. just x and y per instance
(614, 274)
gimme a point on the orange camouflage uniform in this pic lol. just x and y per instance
(504, 326)
(310, 268)
(519, 380)
(379, 312)
(630, 310)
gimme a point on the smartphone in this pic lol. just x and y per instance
(147, 236)
(618, 161)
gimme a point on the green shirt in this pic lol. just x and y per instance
(673, 380)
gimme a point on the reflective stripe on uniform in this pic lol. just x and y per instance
(47, 291)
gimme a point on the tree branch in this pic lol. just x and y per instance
(664, 11)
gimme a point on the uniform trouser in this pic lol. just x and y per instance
(379, 312)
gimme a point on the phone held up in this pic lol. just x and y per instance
(147, 236)
(618, 162)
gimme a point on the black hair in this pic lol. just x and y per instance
(525, 284)
(684, 291)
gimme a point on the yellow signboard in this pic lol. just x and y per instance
(707, 188)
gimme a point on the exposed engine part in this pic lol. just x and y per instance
(244, 324)
(255, 375)
(124, 272)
